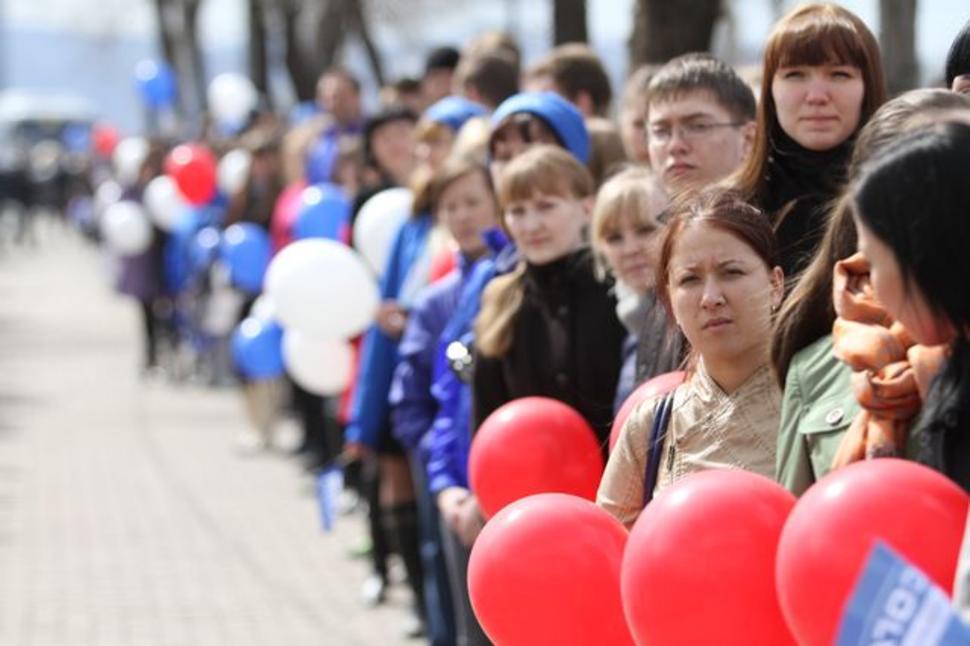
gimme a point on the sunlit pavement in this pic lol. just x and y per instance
(127, 514)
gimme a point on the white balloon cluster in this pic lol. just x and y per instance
(164, 202)
(126, 229)
(127, 159)
(322, 293)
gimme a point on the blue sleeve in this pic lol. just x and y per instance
(412, 406)
(370, 411)
(447, 463)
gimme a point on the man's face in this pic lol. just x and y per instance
(338, 96)
(694, 141)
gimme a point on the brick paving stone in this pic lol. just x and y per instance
(126, 515)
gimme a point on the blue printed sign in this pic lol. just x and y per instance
(895, 604)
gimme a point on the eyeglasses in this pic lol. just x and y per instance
(690, 132)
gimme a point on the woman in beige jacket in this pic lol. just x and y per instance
(718, 276)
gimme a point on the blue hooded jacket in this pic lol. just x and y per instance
(558, 113)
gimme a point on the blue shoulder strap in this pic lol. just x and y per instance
(661, 420)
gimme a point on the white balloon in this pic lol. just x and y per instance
(164, 202)
(107, 193)
(323, 367)
(322, 289)
(126, 229)
(378, 222)
(233, 170)
(263, 309)
(231, 97)
(129, 155)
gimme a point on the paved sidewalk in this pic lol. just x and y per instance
(127, 517)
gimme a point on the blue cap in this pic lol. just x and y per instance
(454, 111)
(558, 113)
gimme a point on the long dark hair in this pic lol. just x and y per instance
(914, 197)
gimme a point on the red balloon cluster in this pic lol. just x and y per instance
(533, 445)
(721, 557)
(546, 570)
(193, 168)
(659, 385)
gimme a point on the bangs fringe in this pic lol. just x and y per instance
(832, 41)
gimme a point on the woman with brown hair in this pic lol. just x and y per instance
(822, 82)
(719, 279)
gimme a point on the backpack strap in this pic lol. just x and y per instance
(661, 420)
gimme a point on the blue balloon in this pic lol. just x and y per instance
(257, 348)
(246, 250)
(77, 137)
(156, 82)
(205, 248)
(324, 213)
(179, 251)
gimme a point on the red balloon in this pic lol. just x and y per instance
(104, 137)
(659, 385)
(546, 570)
(193, 167)
(533, 445)
(827, 539)
(699, 566)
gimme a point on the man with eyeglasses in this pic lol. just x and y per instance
(700, 121)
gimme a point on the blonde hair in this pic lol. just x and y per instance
(633, 194)
(541, 169)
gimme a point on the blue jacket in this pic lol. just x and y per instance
(449, 440)
(413, 408)
(370, 413)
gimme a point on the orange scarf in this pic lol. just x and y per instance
(891, 373)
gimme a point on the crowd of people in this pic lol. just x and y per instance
(793, 243)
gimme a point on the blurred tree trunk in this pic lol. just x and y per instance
(359, 17)
(315, 32)
(301, 72)
(664, 29)
(258, 46)
(194, 50)
(178, 36)
(569, 21)
(897, 40)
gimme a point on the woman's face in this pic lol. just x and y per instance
(630, 248)
(818, 106)
(546, 227)
(393, 145)
(467, 208)
(633, 130)
(722, 294)
(903, 299)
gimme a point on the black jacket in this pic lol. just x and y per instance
(567, 345)
(800, 188)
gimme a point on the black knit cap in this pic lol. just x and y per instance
(442, 58)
